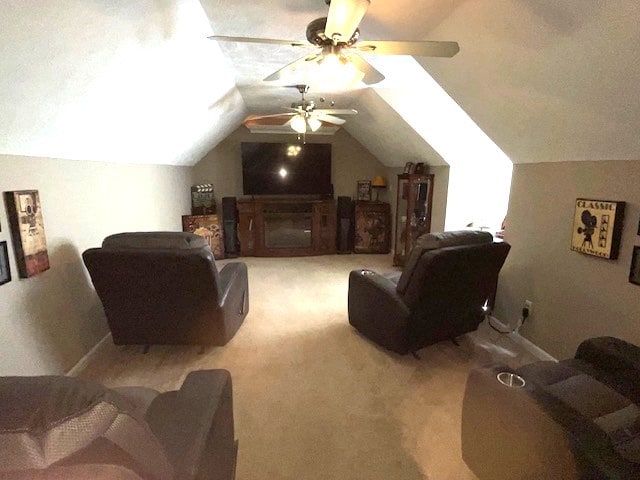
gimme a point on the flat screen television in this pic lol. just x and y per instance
(286, 169)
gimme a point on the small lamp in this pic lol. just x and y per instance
(378, 183)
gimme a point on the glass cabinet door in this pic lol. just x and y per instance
(413, 212)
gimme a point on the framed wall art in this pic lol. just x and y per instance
(5, 269)
(634, 272)
(27, 231)
(364, 190)
(207, 226)
(597, 227)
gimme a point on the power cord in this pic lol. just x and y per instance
(521, 320)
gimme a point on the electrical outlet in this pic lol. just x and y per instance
(528, 304)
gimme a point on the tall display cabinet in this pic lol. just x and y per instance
(413, 212)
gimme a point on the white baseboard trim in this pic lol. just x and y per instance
(531, 347)
(82, 363)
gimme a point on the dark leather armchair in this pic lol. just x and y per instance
(446, 281)
(164, 288)
(578, 419)
(56, 427)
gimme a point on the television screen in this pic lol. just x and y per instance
(286, 169)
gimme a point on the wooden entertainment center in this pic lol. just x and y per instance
(286, 227)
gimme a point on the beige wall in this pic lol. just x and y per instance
(351, 162)
(575, 296)
(48, 322)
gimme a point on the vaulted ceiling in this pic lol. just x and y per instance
(139, 82)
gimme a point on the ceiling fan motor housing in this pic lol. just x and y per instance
(316, 36)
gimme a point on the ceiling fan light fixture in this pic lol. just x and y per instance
(299, 124)
(343, 19)
(335, 72)
(314, 124)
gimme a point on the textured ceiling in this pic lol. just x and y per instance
(137, 81)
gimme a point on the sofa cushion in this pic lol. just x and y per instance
(609, 410)
(44, 421)
(432, 241)
(155, 240)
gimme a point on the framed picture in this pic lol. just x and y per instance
(202, 199)
(409, 167)
(634, 273)
(27, 231)
(364, 190)
(597, 227)
(5, 270)
(209, 227)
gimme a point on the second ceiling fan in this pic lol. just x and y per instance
(304, 117)
(334, 37)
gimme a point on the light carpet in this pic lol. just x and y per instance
(315, 400)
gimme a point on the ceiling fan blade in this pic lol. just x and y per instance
(289, 70)
(416, 49)
(343, 18)
(335, 111)
(259, 117)
(371, 75)
(273, 41)
(330, 119)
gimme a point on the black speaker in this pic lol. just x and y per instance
(346, 225)
(230, 227)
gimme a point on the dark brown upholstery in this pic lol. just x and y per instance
(578, 419)
(164, 288)
(440, 295)
(63, 427)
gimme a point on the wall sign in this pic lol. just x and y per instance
(27, 232)
(597, 227)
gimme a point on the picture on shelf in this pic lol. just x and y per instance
(364, 190)
(409, 167)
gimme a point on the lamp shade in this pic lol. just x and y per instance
(379, 182)
(299, 124)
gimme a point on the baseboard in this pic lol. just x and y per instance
(531, 347)
(82, 363)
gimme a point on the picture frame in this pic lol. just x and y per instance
(209, 227)
(26, 223)
(5, 268)
(634, 271)
(597, 227)
(409, 167)
(364, 191)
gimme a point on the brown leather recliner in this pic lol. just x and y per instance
(164, 288)
(440, 295)
(57, 427)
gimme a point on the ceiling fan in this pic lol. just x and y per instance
(334, 37)
(305, 116)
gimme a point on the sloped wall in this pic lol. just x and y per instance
(575, 296)
(50, 321)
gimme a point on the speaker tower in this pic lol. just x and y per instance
(230, 227)
(346, 225)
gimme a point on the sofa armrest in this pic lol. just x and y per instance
(508, 435)
(195, 426)
(377, 310)
(234, 286)
(609, 353)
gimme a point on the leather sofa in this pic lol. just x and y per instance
(575, 419)
(57, 427)
(440, 294)
(165, 288)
